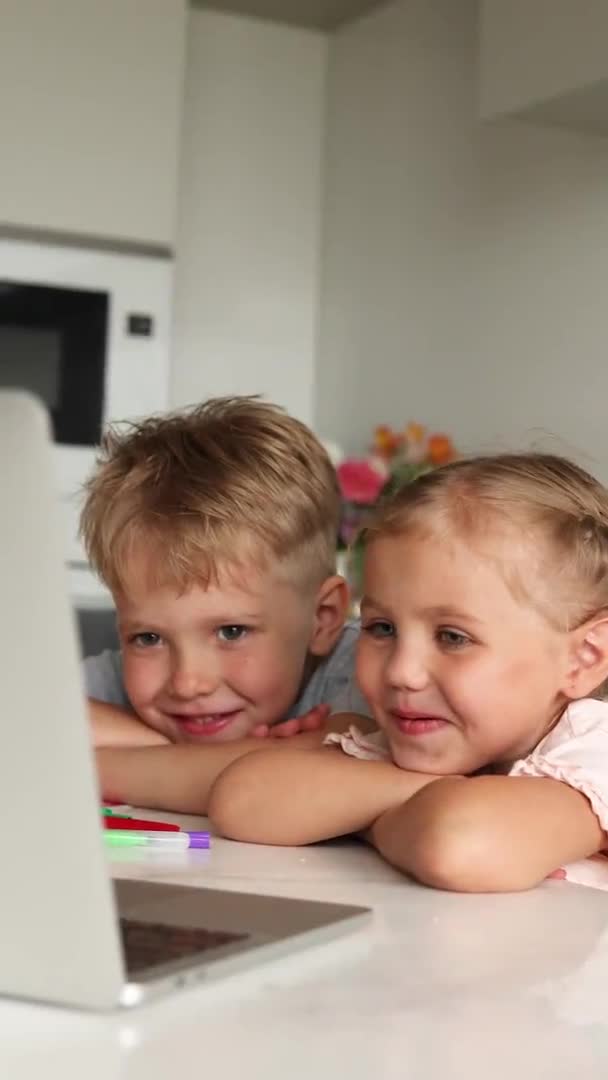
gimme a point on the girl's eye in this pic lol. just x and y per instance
(452, 639)
(231, 633)
(379, 629)
(146, 640)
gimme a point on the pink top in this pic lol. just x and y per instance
(575, 752)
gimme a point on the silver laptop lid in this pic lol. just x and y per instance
(58, 935)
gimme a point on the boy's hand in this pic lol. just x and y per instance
(313, 720)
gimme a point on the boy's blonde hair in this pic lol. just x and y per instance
(552, 515)
(233, 480)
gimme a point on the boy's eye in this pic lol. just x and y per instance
(145, 640)
(379, 629)
(452, 639)
(232, 632)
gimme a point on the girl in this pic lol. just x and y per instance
(483, 653)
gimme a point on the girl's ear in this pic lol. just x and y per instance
(589, 658)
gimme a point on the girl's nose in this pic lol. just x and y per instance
(407, 668)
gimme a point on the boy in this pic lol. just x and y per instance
(215, 531)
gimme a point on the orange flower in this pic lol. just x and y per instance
(386, 441)
(414, 433)
(440, 449)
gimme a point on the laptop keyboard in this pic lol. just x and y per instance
(147, 945)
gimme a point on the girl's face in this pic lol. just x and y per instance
(459, 673)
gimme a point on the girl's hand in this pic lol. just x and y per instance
(313, 720)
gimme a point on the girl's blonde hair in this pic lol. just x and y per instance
(551, 514)
(233, 480)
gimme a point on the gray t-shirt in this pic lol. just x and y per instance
(332, 683)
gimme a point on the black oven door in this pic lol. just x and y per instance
(53, 342)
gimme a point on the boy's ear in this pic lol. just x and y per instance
(331, 610)
(589, 658)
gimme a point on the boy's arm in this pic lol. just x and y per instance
(113, 726)
(488, 833)
(179, 778)
(305, 796)
(176, 778)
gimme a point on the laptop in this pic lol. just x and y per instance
(68, 934)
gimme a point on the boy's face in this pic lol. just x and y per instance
(210, 664)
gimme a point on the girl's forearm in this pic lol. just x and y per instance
(306, 796)
(408, 838)
(488, 833)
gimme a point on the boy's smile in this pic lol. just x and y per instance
(211, 664)
(202, 725)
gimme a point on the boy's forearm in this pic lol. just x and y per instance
(303, 797)
(177, 778)
(113, 726)
(488, 833)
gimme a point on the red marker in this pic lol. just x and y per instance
(115, 822)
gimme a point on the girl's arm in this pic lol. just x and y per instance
(488, 833)
(305, 796)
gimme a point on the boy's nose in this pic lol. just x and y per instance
(407, 669)
(189, 680)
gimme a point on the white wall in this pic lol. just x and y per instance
(464, 265)
(246, 301)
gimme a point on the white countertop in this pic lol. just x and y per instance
(439, 986)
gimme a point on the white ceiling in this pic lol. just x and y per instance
(315, 14)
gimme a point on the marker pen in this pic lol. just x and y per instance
(158, 841)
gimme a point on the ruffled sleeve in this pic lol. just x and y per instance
(575, 752)
(372, 747)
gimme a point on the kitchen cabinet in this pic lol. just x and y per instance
(90, 115)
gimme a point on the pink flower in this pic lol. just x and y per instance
(360, 480)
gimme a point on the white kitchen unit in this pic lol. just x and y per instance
(249, 231)
(88, 333)
(90, 114)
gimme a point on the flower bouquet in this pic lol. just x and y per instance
(395, 458)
